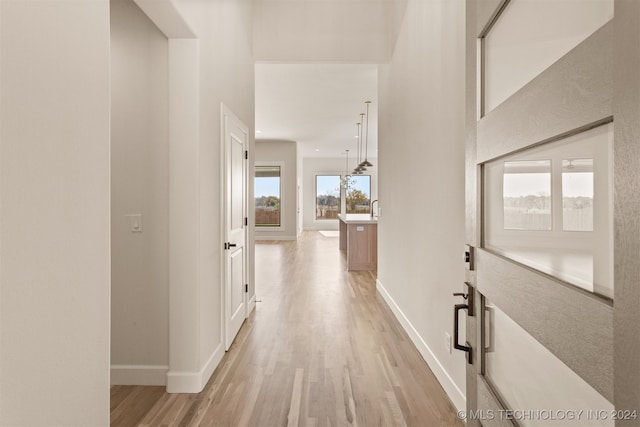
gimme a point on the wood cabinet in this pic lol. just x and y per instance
(359, 240)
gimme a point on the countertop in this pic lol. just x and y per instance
(357, 219)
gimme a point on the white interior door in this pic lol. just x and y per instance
(539, 288)
(235, 136)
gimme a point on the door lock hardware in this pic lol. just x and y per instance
(229, 245)
(466, 347)
(468, 296)
(469, 257)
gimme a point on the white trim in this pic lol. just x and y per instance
(225, 114)
(450, 387)
(325, 226)
(194, 382)
(269, 228)
(258, 238)
(211, 365)
(223, 225)
(183, 382)
(281, 228)
(148, 375)
(320, 221)
(251, 305)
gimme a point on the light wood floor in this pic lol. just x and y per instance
(321, 349)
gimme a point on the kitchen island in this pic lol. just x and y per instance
(359, 240)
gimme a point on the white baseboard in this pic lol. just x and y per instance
(318, 227)
(251, 305)
(183, 382)
(211, 365)
(259, 237)
(194, 382)
(155, 375)
(453, 391)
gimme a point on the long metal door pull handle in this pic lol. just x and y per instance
(456, 324)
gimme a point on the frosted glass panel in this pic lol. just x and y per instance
(536, 384)
(530, 35)
(550, 208)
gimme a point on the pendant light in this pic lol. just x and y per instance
(346, 166)
(359, 168)
(366, 163)
(345, 182)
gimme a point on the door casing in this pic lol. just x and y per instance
(232, 318)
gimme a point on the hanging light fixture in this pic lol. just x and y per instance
(346, 166)
(366, 163)
(347, 177)
(359, 168)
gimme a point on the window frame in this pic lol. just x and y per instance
(266, 228)
(346, 192)
(315, 195)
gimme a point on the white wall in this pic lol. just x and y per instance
(285, 155)
(139, 185)
(54, 214)
(313, 166)
(214, 65)
(350, 31)
(421, 154)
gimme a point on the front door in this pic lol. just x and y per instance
(235, 135)
(539, 213)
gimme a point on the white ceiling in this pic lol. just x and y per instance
(317, 105)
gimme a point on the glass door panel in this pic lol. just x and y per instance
(550, 208)
(530, 36)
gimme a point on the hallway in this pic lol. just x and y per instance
(321, 349)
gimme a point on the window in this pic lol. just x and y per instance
(267, 196)
(327, 196)
(527, 195)
(359, 194)
(550, 207)
(577, 195)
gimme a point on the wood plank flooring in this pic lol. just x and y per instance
(321, 349)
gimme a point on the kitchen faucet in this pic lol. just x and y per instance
(372, 207)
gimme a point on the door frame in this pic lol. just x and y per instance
(618, 93)
(225, 114)
(626, 247)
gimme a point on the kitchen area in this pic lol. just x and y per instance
(359, 240)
